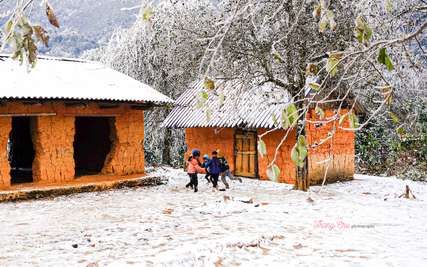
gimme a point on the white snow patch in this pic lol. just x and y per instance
(357, 223)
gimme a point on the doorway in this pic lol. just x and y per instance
(92, 144)
(246, 157)
(20, 150)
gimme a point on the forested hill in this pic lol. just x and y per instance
(85, 24)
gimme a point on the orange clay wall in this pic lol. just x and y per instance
(340, 149)
(5, 127)
(53, 138)
(127, 153)
(283, 160)
(210, 139)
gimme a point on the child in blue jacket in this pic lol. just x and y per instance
(206, 159)
(214, 166)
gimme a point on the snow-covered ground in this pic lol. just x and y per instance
(358, 223)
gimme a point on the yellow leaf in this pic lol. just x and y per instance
(147, 14)
(209, 84)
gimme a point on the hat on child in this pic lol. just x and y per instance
(206, 156)
(195, 152)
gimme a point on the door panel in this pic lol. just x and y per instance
(245, 154)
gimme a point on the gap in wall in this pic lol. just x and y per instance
(20, 150)
(92, 144)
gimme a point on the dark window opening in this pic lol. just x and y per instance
(92, 143)
(21, 151)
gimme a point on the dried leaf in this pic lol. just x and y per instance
(41, 35)
(51, 16)
(311, 69)
(317, 11)
(167, 211)
(298, 246)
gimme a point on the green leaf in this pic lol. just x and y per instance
(8, 27)
(331, 66)
(401, 131)
(208, 114)
(388, 5)
(362, 30)
(342, 118)
(221, 98)
(275, 120)
(209, 84)
(323, 24)
(384, 59)
(289, 116)
(285, 120)
(367, 33)
(205, 95)
(273, 172)
(331, 20)
(299, 151)
(393, 117)
(354, 121)
(277, 57)
(262, 148)
(314, 86)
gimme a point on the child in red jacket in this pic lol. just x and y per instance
(193, 167)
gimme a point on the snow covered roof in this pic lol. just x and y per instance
(230, 105)
(72, 79)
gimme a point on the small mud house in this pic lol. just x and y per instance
(70, 118)
(230, 118)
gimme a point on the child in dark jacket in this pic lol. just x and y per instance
(214, 167)
(225, 171)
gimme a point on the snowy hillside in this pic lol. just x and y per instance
(85, 24)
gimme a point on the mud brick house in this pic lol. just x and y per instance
(232, 118)
(69, 118)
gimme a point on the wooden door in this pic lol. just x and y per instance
(245, 148)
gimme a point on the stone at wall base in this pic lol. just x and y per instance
(331, 180)
(49, 192)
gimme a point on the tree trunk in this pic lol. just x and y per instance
(302, 180)
(166, 157)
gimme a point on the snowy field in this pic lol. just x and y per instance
(358, 223)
